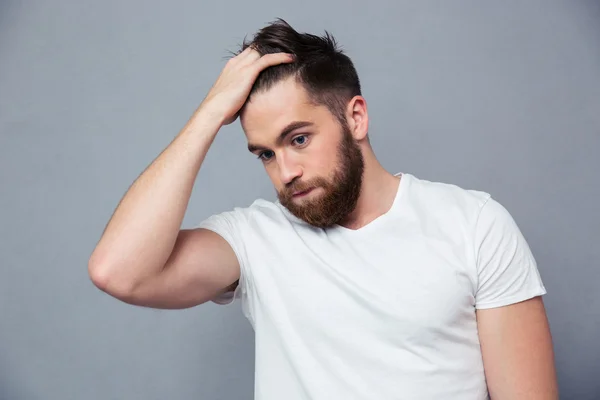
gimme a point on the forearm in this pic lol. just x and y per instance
(140, 236)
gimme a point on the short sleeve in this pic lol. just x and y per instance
(507, 271)
(231, 226)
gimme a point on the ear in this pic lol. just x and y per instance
(358, 117)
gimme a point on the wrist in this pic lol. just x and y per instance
(210, 113)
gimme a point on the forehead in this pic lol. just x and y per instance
(268, 112)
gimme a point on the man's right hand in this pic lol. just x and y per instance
(231, 90)
(143, 256)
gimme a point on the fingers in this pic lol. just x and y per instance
(248, 56)
(244, 54)
(268, 60)
(246, 50)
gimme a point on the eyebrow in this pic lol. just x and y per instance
(284, 133)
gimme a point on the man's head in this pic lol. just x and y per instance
(307, 122)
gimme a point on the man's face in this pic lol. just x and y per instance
(313, 161)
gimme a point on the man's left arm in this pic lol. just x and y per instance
(514, 333)
(517, 351)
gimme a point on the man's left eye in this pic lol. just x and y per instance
(299, 140)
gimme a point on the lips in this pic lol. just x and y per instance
(302, 192)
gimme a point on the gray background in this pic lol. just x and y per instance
(495, 96)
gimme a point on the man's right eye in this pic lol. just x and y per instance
(266, 155)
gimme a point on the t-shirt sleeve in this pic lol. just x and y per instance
(231, 226)
(507, 271)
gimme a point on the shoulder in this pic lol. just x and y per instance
(259, 213)
(441, 198)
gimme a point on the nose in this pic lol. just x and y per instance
(288, 169)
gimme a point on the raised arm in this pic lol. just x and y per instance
(143, 256)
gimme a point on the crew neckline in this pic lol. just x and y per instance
(383, 217)
(402, 185)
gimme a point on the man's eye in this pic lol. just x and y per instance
(300, 140)
(266, 155)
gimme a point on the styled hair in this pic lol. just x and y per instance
(320, 66)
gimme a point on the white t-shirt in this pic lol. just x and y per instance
(383, 312)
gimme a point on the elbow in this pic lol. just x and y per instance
(99, 276)
(105, 278)
(99, 271)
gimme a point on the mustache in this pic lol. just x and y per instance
(301, 186)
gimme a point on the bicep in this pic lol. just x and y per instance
(201, 266)
(517, 351)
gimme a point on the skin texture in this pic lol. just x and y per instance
(350, 187)
(331, 197)
(144, 257)
(517, 351)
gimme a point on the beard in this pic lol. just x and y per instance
(341, 190)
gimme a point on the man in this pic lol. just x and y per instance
(360, 284)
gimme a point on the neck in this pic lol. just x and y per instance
(377, 193)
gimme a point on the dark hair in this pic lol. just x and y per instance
(327, 74)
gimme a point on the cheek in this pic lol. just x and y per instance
(322, 163)
(273, 174)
